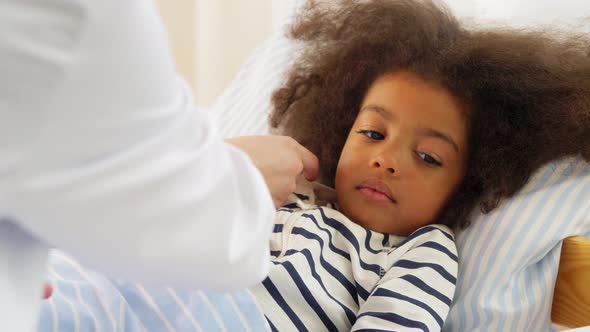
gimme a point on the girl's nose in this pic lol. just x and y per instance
(379, 164)
(387, 158)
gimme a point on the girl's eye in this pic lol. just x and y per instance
(374, 135)
(430, 160)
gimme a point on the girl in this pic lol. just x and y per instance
(416, 120)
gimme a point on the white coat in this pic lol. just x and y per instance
(103, 156)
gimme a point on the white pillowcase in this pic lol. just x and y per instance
(572, 14)
(508, 259)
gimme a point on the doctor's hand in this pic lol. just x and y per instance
(281, 160)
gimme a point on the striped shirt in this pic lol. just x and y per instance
(329, 273)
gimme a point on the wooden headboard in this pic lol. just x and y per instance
(571, 299)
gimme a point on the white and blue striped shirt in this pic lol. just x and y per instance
(329, 273)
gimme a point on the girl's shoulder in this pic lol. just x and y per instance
(433, 236)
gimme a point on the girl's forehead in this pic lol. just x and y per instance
(405, 91)
(405, 97)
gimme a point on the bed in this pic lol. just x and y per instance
(571, 299)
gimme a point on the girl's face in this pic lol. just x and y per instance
(404, 156)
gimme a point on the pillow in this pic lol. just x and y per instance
(508, 258)
(243, 107)
(571, 14)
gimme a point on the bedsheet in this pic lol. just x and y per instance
(86, 301)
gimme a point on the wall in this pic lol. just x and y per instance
(211, 38)
(179, 20)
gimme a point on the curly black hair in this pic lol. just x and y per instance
(526, 93)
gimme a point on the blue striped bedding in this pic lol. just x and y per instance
(86, 301)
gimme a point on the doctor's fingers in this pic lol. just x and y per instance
(309, 162)
(298, 159)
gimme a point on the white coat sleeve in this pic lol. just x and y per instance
(104, 156)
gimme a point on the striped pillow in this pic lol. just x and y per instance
(508, 258)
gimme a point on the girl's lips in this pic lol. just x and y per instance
(376, 190)
(375, 195)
